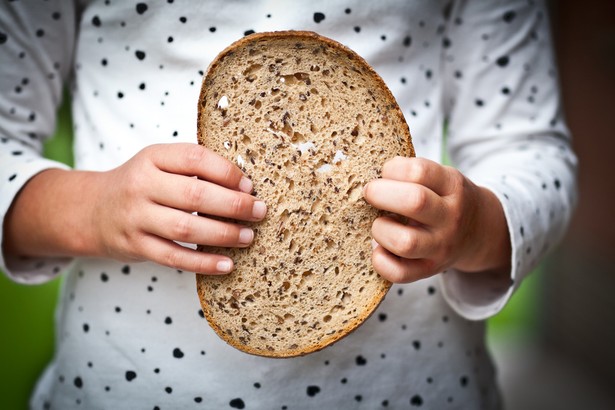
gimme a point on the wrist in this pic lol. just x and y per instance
(489, 247)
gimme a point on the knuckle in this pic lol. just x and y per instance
(195, 155)
(417, 201)
(419, 170)
(456, 178)
(182, 228)
(172, 258)
(238, 205)
(225, 235)
(194, 194)
(405, 242)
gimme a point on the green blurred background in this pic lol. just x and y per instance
(26, 344)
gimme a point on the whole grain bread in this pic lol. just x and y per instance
(310, 122)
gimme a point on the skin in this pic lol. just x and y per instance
(439, 220)
(129, 220)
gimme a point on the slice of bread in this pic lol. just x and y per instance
(310, 122)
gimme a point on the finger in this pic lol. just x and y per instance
(421, 171)
(400, 270)
(173, 255)
(181, 226)
(412, 242)
(190, 194)
(408, 199)
(195, 160)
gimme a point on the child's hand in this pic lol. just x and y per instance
(148, 203)
(451, 222)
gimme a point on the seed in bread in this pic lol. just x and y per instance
(310, 122)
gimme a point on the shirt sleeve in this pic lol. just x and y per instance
(36, 50)
(506, 132)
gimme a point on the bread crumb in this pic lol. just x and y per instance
(240, 161)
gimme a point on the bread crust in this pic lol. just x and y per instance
(203, 281)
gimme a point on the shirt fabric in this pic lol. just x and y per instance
(133, 335)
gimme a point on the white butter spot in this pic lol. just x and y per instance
(227, 145)
(339, 156)
(223, 103)
(240, 161)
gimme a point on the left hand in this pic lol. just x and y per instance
(450, 222)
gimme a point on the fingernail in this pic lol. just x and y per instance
(259, 209)
(224, 266)
(374, 244)
(246, 235)
(245, 185)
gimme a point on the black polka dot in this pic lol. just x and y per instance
(347, 11)
(361, 361)
(183, 19)
(416, 401)
(416, 344)
(479, 102)
(56, 15)
(312, 390)
(96, 21)
(141, 8)
(463, 381)
(212, 29)
(237, 404)
(168, 389)
(248, 32)
(86, 328)
(506, 91)
(318, 17)
(198, 399)
(557, 184)
(168, 320)
(509, 16)
(382, 317)
(78, 382)
(502, 61)
(3, 38)
(130, 375)
(357, 29)
(40, 32)
(104, 277)
(257, 385)
(177, 353)
(140, 54)
(126, 268)
(407, 41)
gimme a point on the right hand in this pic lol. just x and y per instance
(147, 204)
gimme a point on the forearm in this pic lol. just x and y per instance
(52, 215)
